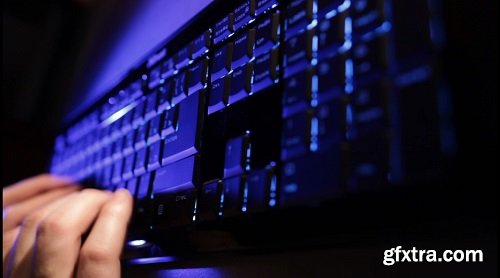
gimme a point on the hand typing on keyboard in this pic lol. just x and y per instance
(51, 228)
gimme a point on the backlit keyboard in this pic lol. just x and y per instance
(259, 106)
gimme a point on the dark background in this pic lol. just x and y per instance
(47, 45)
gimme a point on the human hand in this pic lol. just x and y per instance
(44, 219)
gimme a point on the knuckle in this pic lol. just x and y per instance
(114, 209)
(52, 226)
(95, 253)
(33, 220)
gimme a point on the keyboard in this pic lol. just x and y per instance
(260, 108)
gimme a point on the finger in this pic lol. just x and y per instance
(59, 235)
(100, 254)
(30, 187)
(22, 255)
(14, 215)
(7, 243)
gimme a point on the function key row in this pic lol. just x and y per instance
(240, 17)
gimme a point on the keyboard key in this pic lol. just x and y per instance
(209, 201)
(143, 186)
(128, 167)
(330, 121)
(367, 15)
(299, 187)
(141, 134)
(299, 15)
(176, 176)
(260, 196)
(331, 78)
(243, 14)
(107, 154)
(117, 171)
(263, 6)
(132, 186)
(114, 132)
(185, 141)
(128, 143)
(135, 90)
(181, 57)
(179, 88)
(140, 161)
(174, 210)
(138, 114)
(169, 123)
(237, 157)
(200, 45)
(266, 70)
(106, 177)
(154, 77)
(369, 103)
(331, 34)
(168, 68)
(151, 102)
(370, 57)
(116, 148)
(298, 52)
(154, 130)
(222, 61)
(197, 76)
(164, 95)
(267, 34)
(241, 83)
(296, 135)
(243, 48)
(154, 156)
(219, 94)
(297, 92)
(232, 191)
(223, 28)
(126, 123)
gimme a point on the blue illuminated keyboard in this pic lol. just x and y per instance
(273, 106)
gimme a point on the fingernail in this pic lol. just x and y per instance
(122, 192)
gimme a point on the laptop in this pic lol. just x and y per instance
(264, 126)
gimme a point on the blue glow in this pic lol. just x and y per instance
(315, 43)
(137, 242)
(153, 260)
(349, 72)
(348, 117)
(314, 91)
(117, 115)
(347, 35)
(384, 28)
(313, 24)
(249, 152)
(291, 188)
(221, 203)
(272, 200)
(331, 14)
(195, 208)
(190, 272)
(344, 6)
(314, 135)
(245, 198)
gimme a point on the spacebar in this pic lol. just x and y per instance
(177, 176)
